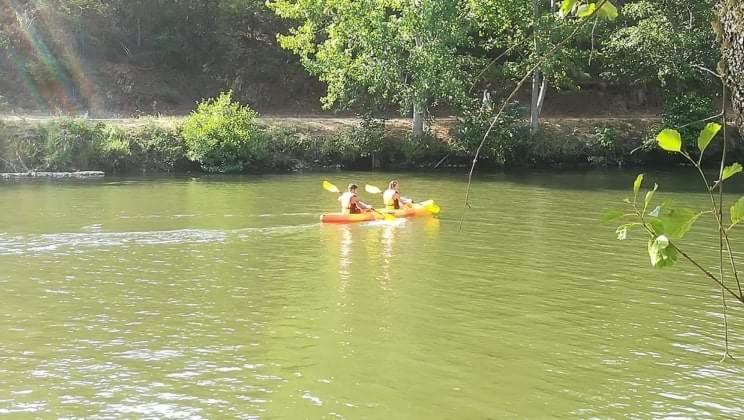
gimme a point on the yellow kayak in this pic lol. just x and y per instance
(424, 208)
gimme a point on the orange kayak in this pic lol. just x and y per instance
(424, 208)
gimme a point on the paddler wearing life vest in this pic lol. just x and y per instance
(392, 199)
(350, 203)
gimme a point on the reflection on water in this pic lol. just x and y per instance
(195, 299)
(345, 243)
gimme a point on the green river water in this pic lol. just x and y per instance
(225, 297)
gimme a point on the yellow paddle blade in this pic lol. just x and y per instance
(432, 208)
(388, 216)
(330, 187)
(385, 215)
(372, 189)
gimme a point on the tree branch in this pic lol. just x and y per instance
(539, 64)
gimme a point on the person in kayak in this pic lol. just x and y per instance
(350, 203)
(392, 199)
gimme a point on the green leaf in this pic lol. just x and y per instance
(608, 11)
(566, 7)
(670, 140)
(675, 223)
(586, 10)
(707, 134)
(637, 184)
(656, 226)
(622, 231)
(612, 215)
(656, 212)
(737, 211)
(661, 252)
(650, 196)
(731, 170)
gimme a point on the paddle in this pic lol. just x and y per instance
(334, 189)
(330, 187)
(374, 190)
(430, 206)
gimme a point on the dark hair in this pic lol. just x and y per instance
(352, 187)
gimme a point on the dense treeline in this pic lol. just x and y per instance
(153, 146)
(146, 55)
(376, 58)
(68, 50)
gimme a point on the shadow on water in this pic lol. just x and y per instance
(679, 180)
(683, 179)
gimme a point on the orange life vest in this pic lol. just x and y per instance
(348, 206)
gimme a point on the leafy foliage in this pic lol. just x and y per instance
(737, 211)
(155, 149)
(666, 223)
(730, 171)
(658, 40)
(508, 140)
(685, 110)
(706, 135)
(73, 144)
(401, 52)
(222, 135)
(670, 140)
(662, 252)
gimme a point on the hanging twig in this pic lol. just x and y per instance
(690, 259)
(499, 57)
(539, 64)
(591, 52)
(485, 69)
(721, 231)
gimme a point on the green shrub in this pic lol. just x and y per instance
(222, 135)
(426, 149)
(355, 144)
(155, 149)
(21, 150)
(288, 147)
(112, 147)
(508, 142)
(603, 147)
(72, 144)
(684, 109)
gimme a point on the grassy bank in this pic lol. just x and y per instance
(153, 145)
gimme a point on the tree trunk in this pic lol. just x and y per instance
(543, 92)
(534, 114)
(417, 128)
(539, 82)
(539, 90)
(730, 29)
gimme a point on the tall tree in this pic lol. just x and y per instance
(539, 80)
(400, 52)
(730, 29)
(659, 42)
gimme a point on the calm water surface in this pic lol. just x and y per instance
(225, 298)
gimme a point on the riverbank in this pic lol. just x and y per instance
(155, 145)
(53, 175)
